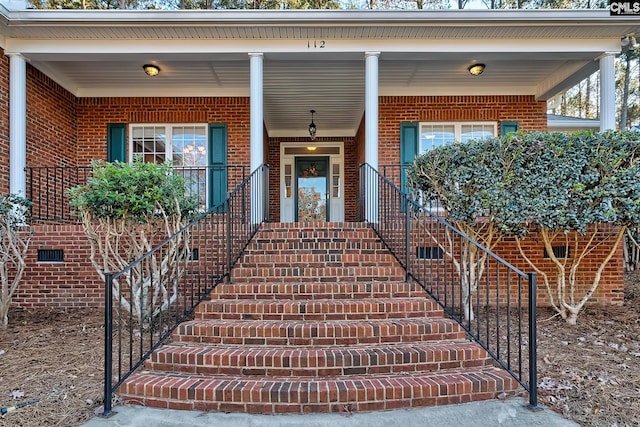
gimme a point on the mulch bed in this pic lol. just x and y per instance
(590, 372)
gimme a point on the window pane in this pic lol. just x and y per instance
(189, 155)
(149, 143)
(476, 131)
(432, 136)
(189, 145)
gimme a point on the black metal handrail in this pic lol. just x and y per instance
(214, 242)
(484, 293)
(47, 186)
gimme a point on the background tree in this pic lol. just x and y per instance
(15, 236)
(126, 209)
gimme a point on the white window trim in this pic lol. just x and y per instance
(168, 134)
(457, 125)
(169, 146)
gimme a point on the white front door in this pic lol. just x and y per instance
(311, 182)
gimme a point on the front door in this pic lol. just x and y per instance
(312, 189)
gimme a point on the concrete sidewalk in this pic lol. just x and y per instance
(510, 412)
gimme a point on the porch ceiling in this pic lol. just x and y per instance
(96, 54)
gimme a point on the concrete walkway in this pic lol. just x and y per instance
(511, 412)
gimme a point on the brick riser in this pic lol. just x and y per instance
(350, 335)
(320, 252)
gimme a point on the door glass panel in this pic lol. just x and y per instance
(312, 189)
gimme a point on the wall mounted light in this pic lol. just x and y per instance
(151, 70)
(476, 69)
(311, 148)
(312, 127)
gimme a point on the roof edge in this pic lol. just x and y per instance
(318, 17)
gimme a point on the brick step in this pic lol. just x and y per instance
(310, 291)
(296, 258)
(329, 309)
(348, 332)
(322, 362)
(305, 395)
(313, 274)
(319, 246)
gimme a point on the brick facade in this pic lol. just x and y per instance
(64, 130)
(4, 123)
(95, 113)
(393, 110)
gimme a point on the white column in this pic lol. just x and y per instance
(371, 134)
(17, 125)
(371, 109)
(607, 92)
(257, 133)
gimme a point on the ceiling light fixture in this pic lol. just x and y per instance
(312, 127)
(476, 69)
(151, 70)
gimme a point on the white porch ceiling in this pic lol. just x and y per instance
(100, 54)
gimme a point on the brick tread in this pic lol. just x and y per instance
(329, 309)
(317, 333)
(322, 362)
(308, 394)
(331, 290)
(301, 274)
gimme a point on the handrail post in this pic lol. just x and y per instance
(265, 193)
(108, 344)
(407, 232)
(533, 346)
(229, 240)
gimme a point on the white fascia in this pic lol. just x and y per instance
(194, 46)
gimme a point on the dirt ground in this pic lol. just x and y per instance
(590, 373)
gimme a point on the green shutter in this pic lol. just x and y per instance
(506, 127)
(217, 163)
(408, 149)
(116, 142)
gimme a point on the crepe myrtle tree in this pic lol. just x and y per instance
(581, 191)
(127, 209)
(467, 181)
(15, 236)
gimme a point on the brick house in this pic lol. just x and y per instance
(234, 90)
(245, 83)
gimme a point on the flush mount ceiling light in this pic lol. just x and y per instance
(151, 70)
(476, 69)
(312, 127)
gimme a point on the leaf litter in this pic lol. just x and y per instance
(589, 373)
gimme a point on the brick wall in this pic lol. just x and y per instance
(95, 113)
(51, 122)
(4, 123)
(72, 283)
(396, 109)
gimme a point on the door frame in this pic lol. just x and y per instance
(336, 205)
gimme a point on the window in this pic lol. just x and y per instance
(185, 145)
(434, 135)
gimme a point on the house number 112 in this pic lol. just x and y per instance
(316, 44)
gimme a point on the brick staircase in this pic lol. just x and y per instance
(318, 318)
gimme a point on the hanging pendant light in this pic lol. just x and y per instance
(312, 127)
